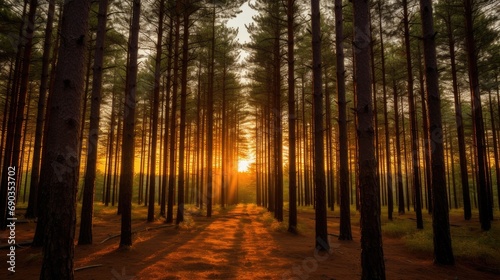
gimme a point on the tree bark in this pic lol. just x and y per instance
(166, 144)
(413, 121)
(495, 148)
(292, 171)
(85, 236)
(345, 207)
(477, 117)
(459, 122)
(319, 159)
(210, 118)
(60, 166)
(278, 126)
(173, 119)
(401, 204)
(156, 107)
(443, 253)
(372, 255)
(182, 131)
(128, 142)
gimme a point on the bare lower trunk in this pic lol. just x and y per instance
(319, 160)
(478, 123)
(85, 236)
(345, 207)
(372, 255)
(443, 253)
(127, 162)
(60, 166)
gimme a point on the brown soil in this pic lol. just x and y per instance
(239, 243)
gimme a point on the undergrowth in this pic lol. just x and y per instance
(469, 242)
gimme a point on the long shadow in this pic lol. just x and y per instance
(218, 253)
(148, 248)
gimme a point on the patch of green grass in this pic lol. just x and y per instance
(420, 241)
(469, 242)
(398, 228)
(478, 246)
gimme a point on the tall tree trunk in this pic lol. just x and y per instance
(173, 119)
(223, 139)
(459, 122)
(372, 255)
(319, 159)
(210, 118)
(110, 148)
(345, 207)
(401, 204)
(166, 151)
(278, 129)
(477, 117)
(60, 166)
(427, 141)
(156, 106)
(85, 236)
(128, 142)
(42, 195)
(495, 148)
(182, 131)
(292, 171)
(413, 120)
(455, 198)
(443, 253)
(31, 212)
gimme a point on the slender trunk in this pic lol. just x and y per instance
(495, 148)
(455, 198)
(401, 204)
(128, 142)
(42, 194)
(477, 117)
(319, 159)
(443, 253)
(210, 119)
(413, 121)
(173, 119)
(278, 129)
(427, 141)
(345, 207)
(156, 107)
(166, 166)
(182, 132)
(292, 171)
(42, 96)
(85, 236)
(110, 149)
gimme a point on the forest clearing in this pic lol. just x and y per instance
(250, 139)
(245, 242)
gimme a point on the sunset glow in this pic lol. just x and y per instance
(243, 165)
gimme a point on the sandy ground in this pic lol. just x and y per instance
(239, 243)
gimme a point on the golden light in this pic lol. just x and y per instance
(243, 165)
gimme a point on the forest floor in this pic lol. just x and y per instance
(240, 242)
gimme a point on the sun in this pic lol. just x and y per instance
(243, 165)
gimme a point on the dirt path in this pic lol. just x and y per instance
(240, 243)
(233, 246)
